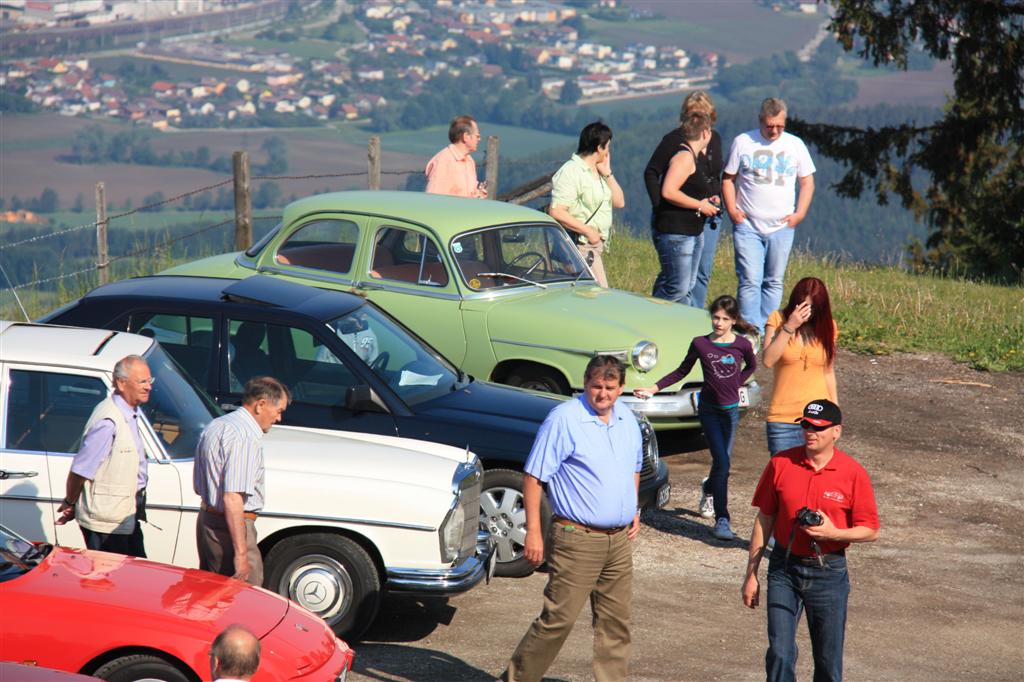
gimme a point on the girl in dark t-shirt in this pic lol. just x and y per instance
(727, 360)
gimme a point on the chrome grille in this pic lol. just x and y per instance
(650, 440)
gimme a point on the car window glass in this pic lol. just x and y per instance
(177, 408)
(328, 244)
(187, 338)
(395, 356)
(506, 256)
(48, 411)
(407, 256)
(247, 352)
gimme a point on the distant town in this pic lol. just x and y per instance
(385, 51)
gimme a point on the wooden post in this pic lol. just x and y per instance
(102, 254)
(491, 167)
(243, 201)
(373, 162)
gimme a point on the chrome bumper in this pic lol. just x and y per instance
(682, 403)
(441, 582)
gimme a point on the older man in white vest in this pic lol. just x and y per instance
(106, 486)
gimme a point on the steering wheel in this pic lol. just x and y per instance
(380, 362)
(539, 256)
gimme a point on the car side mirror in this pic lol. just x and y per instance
(362, 398)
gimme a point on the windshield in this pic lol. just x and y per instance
(505, 256)
(177, 409)
(18, 556)
(413, 370)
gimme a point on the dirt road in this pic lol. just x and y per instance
(939, 597)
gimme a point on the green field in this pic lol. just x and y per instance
(666, 102)
(516, 143)
(742, 31)
(174, 71)
(879, 310)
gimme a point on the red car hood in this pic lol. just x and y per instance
(77, 604)
(113, 582)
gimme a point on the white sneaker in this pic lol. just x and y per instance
(722, 530)
(707, 502)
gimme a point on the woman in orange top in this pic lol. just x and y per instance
(802, 352)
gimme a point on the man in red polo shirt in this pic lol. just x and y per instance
(815, 500)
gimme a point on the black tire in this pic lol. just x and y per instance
(538, 378)
(330, 575)
(503, 516)
(139, 667)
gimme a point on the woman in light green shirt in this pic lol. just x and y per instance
(583, 193)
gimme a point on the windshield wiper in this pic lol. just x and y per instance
(515, 277)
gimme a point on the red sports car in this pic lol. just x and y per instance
(124, 619)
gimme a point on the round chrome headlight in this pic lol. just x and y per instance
(645, 356)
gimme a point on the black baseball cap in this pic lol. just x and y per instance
(822, 413)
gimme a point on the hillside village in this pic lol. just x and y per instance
(405, 47)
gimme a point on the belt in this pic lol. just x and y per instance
(589, 529)
(813, 560)
(210, 510)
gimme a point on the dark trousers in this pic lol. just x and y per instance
(719, 430)
(821, 591)
(128, 543)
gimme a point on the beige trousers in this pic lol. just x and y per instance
(581, 566)
(598, 265)
(216, 551)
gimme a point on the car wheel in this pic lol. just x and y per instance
(141, 668)
(537, 378)
(503, 515)
(330, 575)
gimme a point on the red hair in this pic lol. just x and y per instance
(820, 326)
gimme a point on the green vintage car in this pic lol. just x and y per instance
(497, 288)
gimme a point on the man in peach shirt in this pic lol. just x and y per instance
(452, 170)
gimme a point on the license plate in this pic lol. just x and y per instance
(744, 397)
(664, 492)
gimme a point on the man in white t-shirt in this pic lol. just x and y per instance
(759, 186)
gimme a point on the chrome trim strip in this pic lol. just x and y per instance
(306, 275)
(575, 351)
(337, 519)
(407, 290)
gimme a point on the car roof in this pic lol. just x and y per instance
(262, 290)
(100, 349)
(447, 215)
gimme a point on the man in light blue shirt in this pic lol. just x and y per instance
(588, 453)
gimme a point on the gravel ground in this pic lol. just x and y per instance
(940, 596)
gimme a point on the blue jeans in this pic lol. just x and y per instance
(678, 256)
(823, 592)
(760, 267)
(699, 293)
(720, 430)
(782, 436)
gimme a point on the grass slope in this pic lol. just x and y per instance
(879, 310)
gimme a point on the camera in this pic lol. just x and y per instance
(806, 516)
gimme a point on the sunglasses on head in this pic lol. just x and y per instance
(808, 426)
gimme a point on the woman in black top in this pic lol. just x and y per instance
(687, 199)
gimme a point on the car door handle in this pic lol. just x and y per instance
(4, 475)
(229, 407)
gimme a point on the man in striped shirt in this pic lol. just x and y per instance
(228, 477)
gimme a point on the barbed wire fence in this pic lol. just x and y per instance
(158, 255)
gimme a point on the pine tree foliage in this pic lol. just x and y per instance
(972, 156)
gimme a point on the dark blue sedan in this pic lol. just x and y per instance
(349, 366)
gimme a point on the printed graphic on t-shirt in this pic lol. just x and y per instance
(765, 168)
(834, 495)
(724, 366)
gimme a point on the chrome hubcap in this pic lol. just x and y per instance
(503, 516)
(321, 585)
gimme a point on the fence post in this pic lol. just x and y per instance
(373, 162)
(243, 201)
(102, 254)
(491, 168)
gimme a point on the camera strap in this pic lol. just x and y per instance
(814, 546)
